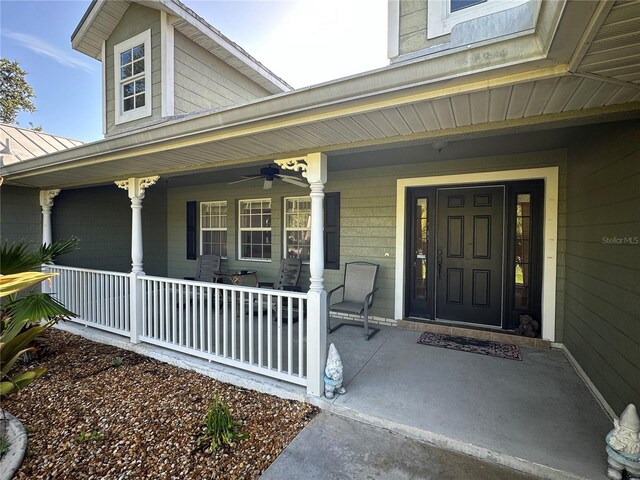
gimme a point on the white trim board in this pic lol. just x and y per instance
(167, 63)
(550, 175)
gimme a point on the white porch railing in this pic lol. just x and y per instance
(101, 299)
(259, 330)
(255, 329)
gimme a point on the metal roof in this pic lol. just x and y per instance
(18, 144)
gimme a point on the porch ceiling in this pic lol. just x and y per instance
(412, 115)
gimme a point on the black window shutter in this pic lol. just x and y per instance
(192, 229)
(332, 231)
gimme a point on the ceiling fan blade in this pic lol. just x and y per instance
(292, 180)
(267, 184)
(244, 180)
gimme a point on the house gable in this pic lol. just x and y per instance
(203, 81)
(190, 66)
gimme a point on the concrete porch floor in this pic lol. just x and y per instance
(535, 415)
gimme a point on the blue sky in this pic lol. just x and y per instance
(303, 41)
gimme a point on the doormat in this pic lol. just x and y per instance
(472, 345)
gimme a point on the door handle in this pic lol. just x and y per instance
(439, 260)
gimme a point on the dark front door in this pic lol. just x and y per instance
(469, 255)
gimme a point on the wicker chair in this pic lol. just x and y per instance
(358, 290)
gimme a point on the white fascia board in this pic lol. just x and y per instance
(103, 83)
(179, 11)
(167, 63)
(86, 23)
(393, 29)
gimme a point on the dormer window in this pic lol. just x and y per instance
(443, 15)
(460, 4)
(132, 62)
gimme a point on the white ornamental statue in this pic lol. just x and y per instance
(623, 446)
(333, 374)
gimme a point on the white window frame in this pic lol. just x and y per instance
(286, 230)
(213, 229)
(441, 20)
(242, 229)
(141, 112)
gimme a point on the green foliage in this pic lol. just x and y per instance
(117, 362)
(87, 436)
(5, 444)
(15, 93)
(19, 257)
(24, 318)
(219, 427)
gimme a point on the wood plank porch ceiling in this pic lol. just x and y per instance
(518, 106)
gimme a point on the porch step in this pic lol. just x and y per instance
(477, 333)
(485, 454)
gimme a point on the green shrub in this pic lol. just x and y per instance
(219, 427)
(25, 312)
(93, 435)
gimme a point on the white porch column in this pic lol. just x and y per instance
(46, 202)
(136, 188)
(314, 168)
(317, 296)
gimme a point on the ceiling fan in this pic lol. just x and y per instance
(269, 174)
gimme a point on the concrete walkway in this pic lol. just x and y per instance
(535, 415)
(333, 447)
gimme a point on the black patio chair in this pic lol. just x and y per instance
(206, 266)
(358, 290)
(288, 276)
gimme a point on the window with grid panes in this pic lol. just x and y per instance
(132, 59)
(297, 228)
(254, 229)
(213, 228)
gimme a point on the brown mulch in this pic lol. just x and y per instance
(145, 416)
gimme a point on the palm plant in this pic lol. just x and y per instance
(25, 312)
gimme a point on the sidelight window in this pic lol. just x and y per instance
(421, 245)
(522, 251)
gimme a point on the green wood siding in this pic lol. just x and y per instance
(101, 218)
(203, 81)
(20, 217)
(602, 297)
(413, 26)
(136, 20)
(367, 216)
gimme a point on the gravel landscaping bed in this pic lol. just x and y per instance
(102, 412)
